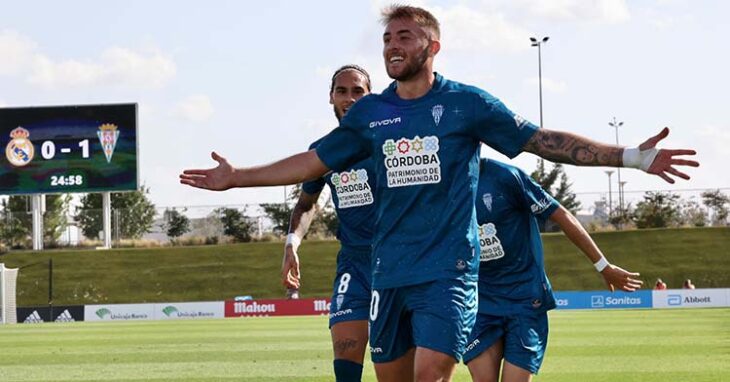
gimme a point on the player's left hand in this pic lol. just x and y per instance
(665, 161)
(619, 278)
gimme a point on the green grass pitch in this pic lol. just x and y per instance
(622, 345)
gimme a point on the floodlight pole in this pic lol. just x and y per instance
(610, 199)
(616, 124)
(538, 43)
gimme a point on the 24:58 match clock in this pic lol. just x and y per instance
(68, 149)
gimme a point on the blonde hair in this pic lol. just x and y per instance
(420, 16)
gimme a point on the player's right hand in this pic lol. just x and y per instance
(290, 268)
(218, 178)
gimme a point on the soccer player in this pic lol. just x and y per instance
(352, 194)
(423, 135)
(514, 291)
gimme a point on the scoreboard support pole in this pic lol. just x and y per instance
(37, 204)
(106, 198)
(107, 204)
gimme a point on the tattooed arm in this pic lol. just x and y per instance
(563, 147)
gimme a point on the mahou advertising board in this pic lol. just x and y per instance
(263, 308)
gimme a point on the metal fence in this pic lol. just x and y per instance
(207, 228)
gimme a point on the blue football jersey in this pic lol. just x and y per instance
(352, 192)
(512, 274)
(425, 153)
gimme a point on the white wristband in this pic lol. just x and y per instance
(641, 159)
(601, 264)
(293, 240)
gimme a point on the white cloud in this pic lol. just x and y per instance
(583, 11)
(465, 28)
(115, 66)
(548, 84)
(196, 108)
(16, 52)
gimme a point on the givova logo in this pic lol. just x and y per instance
(169, 310)
(413, 161)
(103, 312)
(352, 188)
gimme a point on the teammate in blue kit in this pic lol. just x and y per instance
(514, 292)
(423, 135)
(352, 195)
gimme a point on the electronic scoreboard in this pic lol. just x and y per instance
(67, 149)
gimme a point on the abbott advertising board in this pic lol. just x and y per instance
(256, 308)
(691, 298)
(120, 312)
(603, 300)
(189, 310)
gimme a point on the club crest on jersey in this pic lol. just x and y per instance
(19, 150)
(410, 162)
(352, 188)
(437, 111)
(487, 199)
(108, 136)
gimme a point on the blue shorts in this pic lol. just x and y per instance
(525, 338)
(436, 315)
(351, 289)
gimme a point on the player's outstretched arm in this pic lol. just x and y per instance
(615, 277)
(564, 147)
(301, 218)
(294, 169)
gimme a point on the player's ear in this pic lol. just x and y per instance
(434, 47)
(332, 98)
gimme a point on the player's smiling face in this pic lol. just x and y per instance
(406, 49)
(350, 86)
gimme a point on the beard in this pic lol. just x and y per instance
(412, 67)
(337, 114)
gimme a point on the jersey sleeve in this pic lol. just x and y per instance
(314, 186)
(498, 127)
(345, 145)
(536, 199)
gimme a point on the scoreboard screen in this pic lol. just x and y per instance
(66, 149)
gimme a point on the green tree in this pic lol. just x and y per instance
(55, 219)
(657, 210)
(135, 217)
(718, 203)
(561, 192)
(176, 223)
(235, 224)
(692, 214)
(16, 218)
(279, 213)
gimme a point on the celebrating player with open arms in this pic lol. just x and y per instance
(352, 195)
(514, 291)
(423, 135)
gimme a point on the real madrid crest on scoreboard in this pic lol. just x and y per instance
(20, 149)
(64, 149)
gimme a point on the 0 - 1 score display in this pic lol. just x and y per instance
(68, 149)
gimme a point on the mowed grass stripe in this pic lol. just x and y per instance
(609, 345)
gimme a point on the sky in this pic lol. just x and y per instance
(250, 80)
